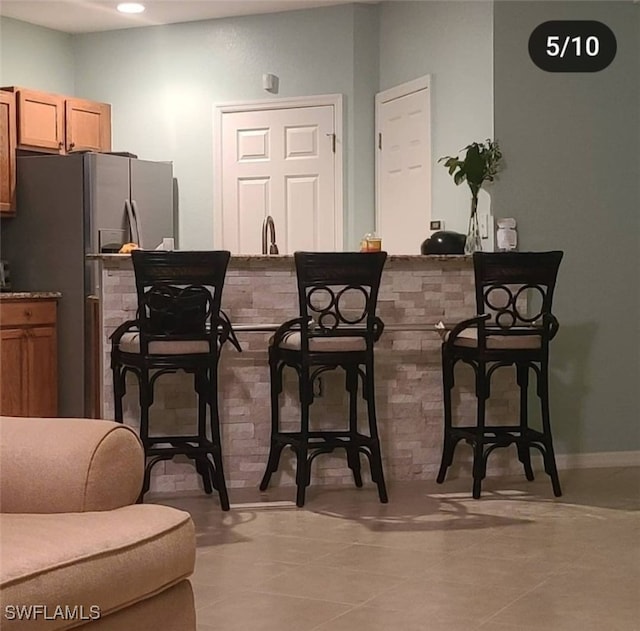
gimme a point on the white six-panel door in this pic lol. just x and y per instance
(279, 162)
(403, 167)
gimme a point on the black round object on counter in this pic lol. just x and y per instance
(444, 242)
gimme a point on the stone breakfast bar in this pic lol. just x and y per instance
(415, 292)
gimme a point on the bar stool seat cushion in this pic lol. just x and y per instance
(468, 338)
(292, 342)
(130, 343)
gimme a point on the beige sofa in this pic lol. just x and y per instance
(75, 549)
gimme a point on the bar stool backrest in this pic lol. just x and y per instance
(179, 294)
(338, 293)
(516, 289)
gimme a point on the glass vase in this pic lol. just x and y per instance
(473, 242)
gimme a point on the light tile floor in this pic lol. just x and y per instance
(432, 559)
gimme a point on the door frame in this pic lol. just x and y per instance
(320, 100)
(404, 89)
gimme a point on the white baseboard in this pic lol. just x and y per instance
(598, 460)
(504, 462)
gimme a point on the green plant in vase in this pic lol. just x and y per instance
(481, 162)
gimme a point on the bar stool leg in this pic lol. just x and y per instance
(203, 466)
(119, 390)
(277, 445)
(449, 443)
(548, 453)
(217, 470)
(353, 451)
(524, 450)
(479, 462)
(303, 466)
(377, 474)
(145, 398)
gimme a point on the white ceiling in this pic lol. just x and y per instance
(86, 16)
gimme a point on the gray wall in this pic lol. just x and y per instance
(572, 147)
(36, 57)
(452, 42)
(366, 53)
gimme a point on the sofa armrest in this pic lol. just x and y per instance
(66, 465)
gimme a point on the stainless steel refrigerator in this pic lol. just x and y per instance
(71, 206)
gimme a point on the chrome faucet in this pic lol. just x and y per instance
(269, 225)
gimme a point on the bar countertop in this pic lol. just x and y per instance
(289, 257)
(30, 295)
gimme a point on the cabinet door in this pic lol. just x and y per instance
(28, 358)
(7, 152)
(12, 372)
(40, 121)
(42, 383)
(88, 125)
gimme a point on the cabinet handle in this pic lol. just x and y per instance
(28, 313)
(60, 145)
(72, 145)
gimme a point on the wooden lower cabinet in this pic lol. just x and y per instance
(28, 358)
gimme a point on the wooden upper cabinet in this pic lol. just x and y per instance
(53, 123)
(40, 121)
(7, 153)
(88, 125)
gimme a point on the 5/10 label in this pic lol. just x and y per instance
(558, 46)
(572, 46)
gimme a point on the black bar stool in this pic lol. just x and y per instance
(514, 325)
(179, 326)
(337, 327)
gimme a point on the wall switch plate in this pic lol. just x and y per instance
(484, 226)
(487, 232)
(437, 224)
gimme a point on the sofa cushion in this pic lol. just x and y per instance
(106, 559)
(60, 465)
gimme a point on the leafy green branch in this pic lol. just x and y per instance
(481, 163)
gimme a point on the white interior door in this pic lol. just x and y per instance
(403, 166)
(279, 162)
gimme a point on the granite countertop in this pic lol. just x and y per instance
(241, 258)
(30, 295)
(285, 262)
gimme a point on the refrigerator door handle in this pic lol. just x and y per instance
(136, 214)
(133, 224)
